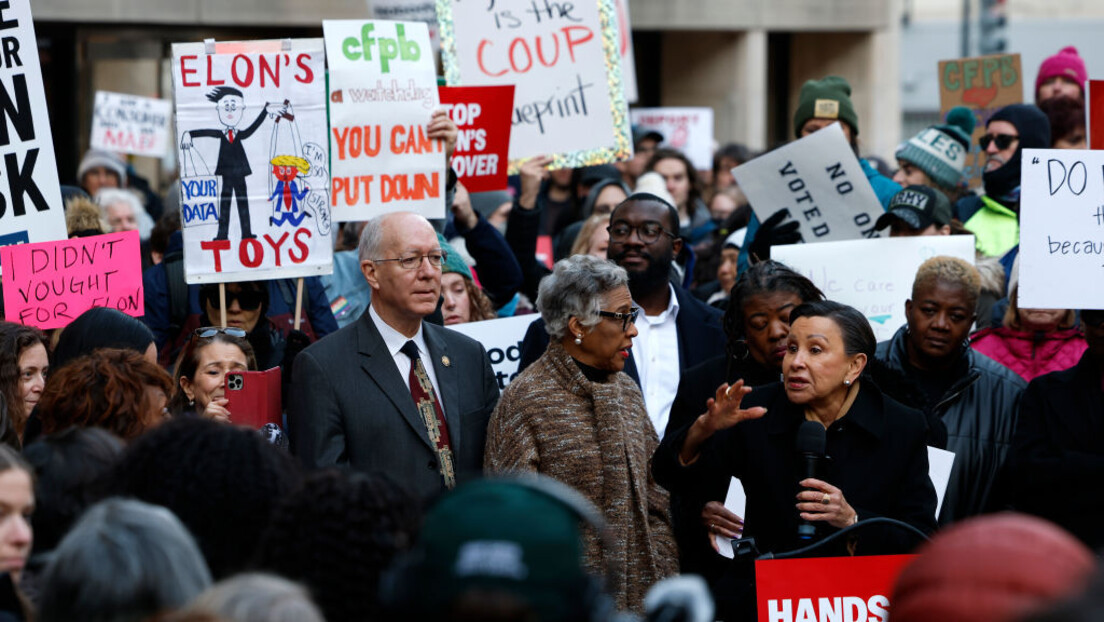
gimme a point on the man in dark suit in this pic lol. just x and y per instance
(391, 392)
(233, 165)
(676, 330)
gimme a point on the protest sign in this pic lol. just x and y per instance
(253, 152)
(1094, 114)
(564, 59)
(131, 124)
(819, 179)
(502, 340)
(690, 130)
(874, 276)
(424, 11)
(49, 284)
(628, 54)
(983, 84)
(1061, 229)
(30, 197)
(383, 91)
(827, 588)
(482, 116)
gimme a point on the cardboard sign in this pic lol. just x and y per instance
(984, 84)
(501, 339)
(1094, 113)
(690, 130)
(49, 284)
(30, 197)
(856, 589)
(874, 276)
(482, 115)
(424, 11)
(565, 61)
(131, 124)
(383, 91)
(254, 157)
(1061, 229)
(821, 182)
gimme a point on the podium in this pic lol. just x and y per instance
(836, 589)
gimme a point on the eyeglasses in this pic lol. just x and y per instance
(248, 299)
(411, 261)
(648, 232)
(207, 332)
(626, 318)
(1003, 141)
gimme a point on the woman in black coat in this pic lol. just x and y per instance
(879, 463)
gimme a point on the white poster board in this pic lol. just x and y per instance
(501, 339)
(424, 11)
(874, 276)
(1061, 229)
(253, 152)
(690, 130)
(383, 91)
(131, 124)
(565, 61)
(820, 180)
(628, 54)
(30, 197)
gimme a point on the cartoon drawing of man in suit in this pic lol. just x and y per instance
(233, 165)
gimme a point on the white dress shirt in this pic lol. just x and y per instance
(656, 354)
(394, 340)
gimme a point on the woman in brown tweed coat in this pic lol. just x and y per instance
(574, 416)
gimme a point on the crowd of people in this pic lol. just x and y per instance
(668, 353)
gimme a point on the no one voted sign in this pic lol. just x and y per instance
(49, 284)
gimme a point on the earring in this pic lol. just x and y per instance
(191, 402)
(578, 340)
(846, 383)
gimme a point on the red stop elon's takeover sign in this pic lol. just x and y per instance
(482, 115)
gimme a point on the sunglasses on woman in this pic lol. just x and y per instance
(248, 299)
(206, 332)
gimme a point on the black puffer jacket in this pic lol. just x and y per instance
(979, 410)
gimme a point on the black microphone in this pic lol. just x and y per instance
(811, 443)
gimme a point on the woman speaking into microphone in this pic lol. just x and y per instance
(877, 459)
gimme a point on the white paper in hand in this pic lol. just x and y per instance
(735, 502)
(940, 462)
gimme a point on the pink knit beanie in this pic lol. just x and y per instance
(1066, 63)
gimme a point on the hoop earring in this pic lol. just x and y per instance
(740, 350)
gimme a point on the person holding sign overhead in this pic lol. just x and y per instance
(391, 392)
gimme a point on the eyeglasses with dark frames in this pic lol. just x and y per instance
(206, 332)
(625, 318)
(647, 232)
(411, 261)
(1003, 141)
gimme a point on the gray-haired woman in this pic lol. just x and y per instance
(574, 416)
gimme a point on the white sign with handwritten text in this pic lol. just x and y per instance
(1061, 229)
(874, 276)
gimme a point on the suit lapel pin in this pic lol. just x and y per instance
(445, 361)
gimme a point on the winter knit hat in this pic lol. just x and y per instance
(940, 150)
(1034, 129)
(829, 98)
(98, 157)
(1066, 63)
(454, 262)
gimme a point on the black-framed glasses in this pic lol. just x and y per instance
(248, 299)
(647, 232)
(411, 261)
(206, 332)
(626, 318)
(1003, 141)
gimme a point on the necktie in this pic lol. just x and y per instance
(425, 399)
(230, 135)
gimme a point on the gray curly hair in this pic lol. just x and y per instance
(575, 288)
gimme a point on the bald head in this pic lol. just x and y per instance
(381, 232)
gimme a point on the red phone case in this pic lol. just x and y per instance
(254, 397)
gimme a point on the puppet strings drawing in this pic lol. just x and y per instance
(288, 158)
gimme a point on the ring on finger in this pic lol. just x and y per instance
(712, 527)
(827, 498)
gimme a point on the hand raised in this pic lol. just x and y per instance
(723, 409)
